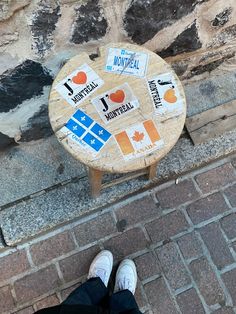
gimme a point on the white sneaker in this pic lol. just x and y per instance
(101, 266)
(126, 276)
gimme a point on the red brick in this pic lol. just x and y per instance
(228, 224)
(177, 194)
(95, 229)
(13, 264)
(172, 266)
(147, 265)
(6, 299)
(207, 281)
(230, 192)
(207, 208)
(189, 302)
(216, 178)
(137, 211)
(167, 226)
(27, 310)
(51, 300)
(36, 284)
(229, 279)
(127, 243)
(51, 248)
(66, 292)
(216, 245)
(190, 245)
(159, 297)
(78, 264)
(224, 310)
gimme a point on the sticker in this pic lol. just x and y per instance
(115, 103)
(84, 131)
(124, 61)
(165, 95)
(139, 140)
(79, 85)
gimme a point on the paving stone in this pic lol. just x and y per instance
(167, 226)
(207, 208)
(127, 243)
(207, 281)
(13, 264)
(228, 224)
(216, 178)
(52, 247)
(27, 169)
(189, 302)
(230, 192)
(224, 310)
(77, 265)
(139, 296)
(6, 299)
(47, 302)
(27, 310)
(190, 245)
(159, 297)
(137, 211)
(216, 245)
(36, 284)
(177, 194)
(172, 266)
(229, 279)
(147, 265)
(95, 229)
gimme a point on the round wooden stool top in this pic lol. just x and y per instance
(110, 158)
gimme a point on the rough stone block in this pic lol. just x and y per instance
(6, 299)
(216, 245)
(176, 195)
(224, 310)
(229, 279)
(207, 281)
(52, 247)
(228, 224)
(49, 301)
(216, 178)
(147, 265)
(190, 245)
(189, 302)
(207, 208)
(230, 192)
(172, 266)
(95, 229)
(167, 226)
(26, 310)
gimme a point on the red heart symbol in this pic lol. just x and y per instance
(118, 96)
(80, 78)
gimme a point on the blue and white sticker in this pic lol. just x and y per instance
(85, 132)
(128, 62)
(79, 85)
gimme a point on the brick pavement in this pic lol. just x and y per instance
(181, 236)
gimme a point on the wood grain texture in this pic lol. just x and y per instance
(212, 123)
(110, 159)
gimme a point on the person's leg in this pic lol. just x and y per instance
(123, 300)
(94, 290)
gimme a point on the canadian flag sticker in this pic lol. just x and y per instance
(139, 140)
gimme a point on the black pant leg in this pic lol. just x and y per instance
(124, 302)
(92, 292)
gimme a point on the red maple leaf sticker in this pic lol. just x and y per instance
(138, 137)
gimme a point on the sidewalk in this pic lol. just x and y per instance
(182, 238)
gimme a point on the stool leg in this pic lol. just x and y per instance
(152, 171)
(95, 179)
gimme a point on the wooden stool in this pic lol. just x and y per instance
(124, 151)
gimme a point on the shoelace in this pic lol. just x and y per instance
(124, 283)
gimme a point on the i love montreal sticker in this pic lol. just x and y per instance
(115, 103)
(79, 85)
(124, 61)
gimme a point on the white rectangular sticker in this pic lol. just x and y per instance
(115, 103)
(165, 95)
(124, 61)
(139, 140)
(79, 85)
(85, 132)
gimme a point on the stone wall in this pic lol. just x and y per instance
(198, 37)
